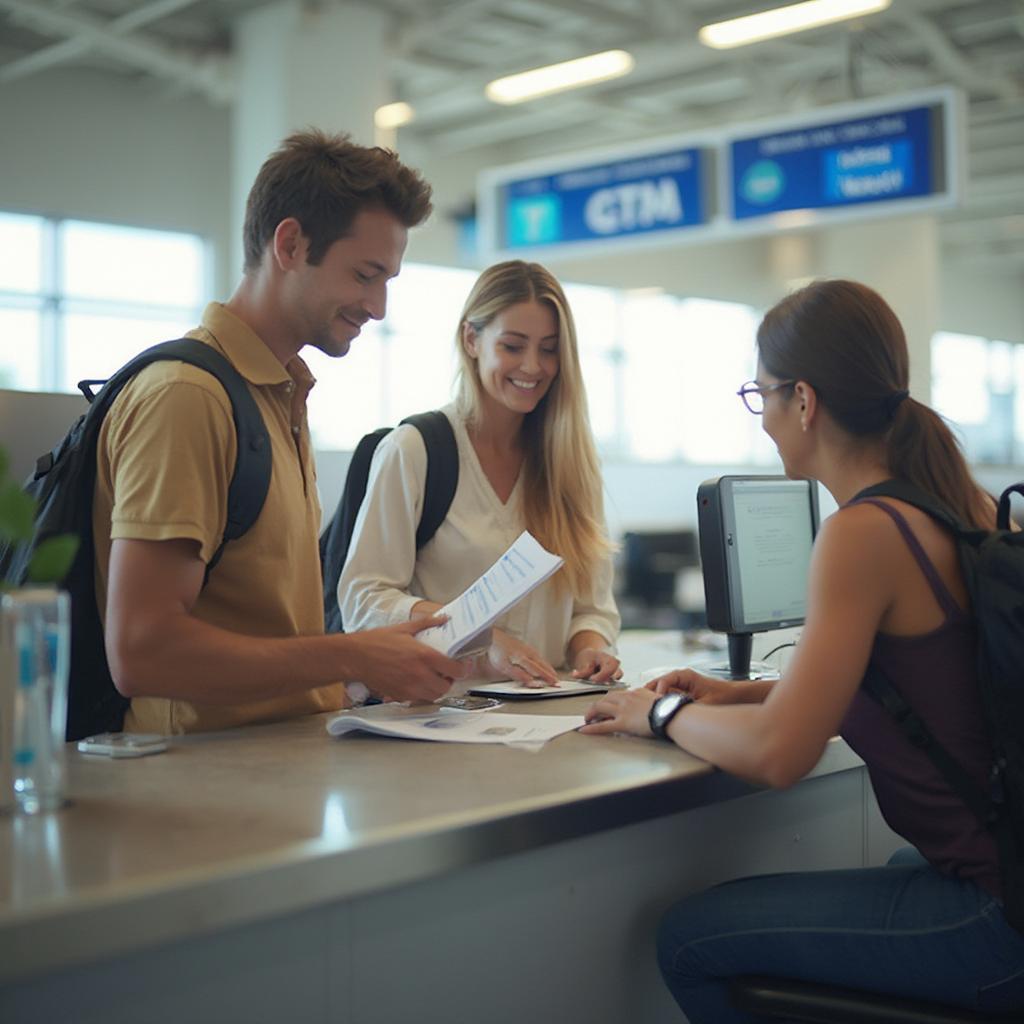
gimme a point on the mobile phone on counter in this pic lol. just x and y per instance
(123, 744)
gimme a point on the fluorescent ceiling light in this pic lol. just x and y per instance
(393, 115)
(781, 21)
(570, 74)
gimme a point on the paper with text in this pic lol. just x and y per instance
(448, 726)
(524, 566)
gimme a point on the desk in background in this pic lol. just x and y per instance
(274, 874)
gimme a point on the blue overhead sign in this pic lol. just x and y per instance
(636, 196)
(873, 159)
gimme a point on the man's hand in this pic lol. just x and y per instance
(392, 661)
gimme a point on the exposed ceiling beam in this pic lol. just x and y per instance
(209, 76)
(83, 42)
(950, 59)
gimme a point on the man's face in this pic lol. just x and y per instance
(332, 301)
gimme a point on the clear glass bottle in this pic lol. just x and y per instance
(37, 632)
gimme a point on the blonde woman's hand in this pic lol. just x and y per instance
(510, 658)
(596, 665)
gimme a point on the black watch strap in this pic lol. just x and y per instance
(663, 710)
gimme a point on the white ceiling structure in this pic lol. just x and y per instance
(445, 51)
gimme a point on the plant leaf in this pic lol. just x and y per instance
(4, 464)
(17, 513)
(51, 561)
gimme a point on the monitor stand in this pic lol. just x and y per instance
(740, 645)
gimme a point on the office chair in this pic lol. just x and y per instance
(813, 1003)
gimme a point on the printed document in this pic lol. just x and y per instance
(449, 726)
(523, 567)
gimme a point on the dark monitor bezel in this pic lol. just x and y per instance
(719, 557)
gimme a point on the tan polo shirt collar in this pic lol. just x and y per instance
(248, 352)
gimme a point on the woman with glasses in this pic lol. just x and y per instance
(527, 461)
(885, 584)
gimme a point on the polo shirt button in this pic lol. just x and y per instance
(290, 386)
(295, 431)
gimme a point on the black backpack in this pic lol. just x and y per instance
(993, 568)
(439, 490)
(63, 486)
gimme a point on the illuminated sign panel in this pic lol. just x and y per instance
(887, 156)
(635, 196)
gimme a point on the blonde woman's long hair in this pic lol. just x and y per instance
(562, 495)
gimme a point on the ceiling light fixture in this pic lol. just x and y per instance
(570, 74)
(781, 21)
(393, 115)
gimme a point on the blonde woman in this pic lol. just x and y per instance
(526, 461)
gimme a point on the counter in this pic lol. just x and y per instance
(184, 871)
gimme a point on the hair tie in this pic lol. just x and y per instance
(892, 402)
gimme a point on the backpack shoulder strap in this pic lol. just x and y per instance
(902, 490)
(1003, 510)
(442, 471)
(880, 687)
(250, 481)
(336, 537)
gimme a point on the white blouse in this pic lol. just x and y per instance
(385, 576)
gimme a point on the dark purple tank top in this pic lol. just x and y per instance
(936, 674)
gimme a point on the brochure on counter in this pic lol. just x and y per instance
(447, 725)
(523, 567)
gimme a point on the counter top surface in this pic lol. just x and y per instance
(232, 826)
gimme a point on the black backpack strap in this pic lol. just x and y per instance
(1003, 511)
(442, 471)
(902, 490)
(439, 490)
(878, 685)
(250, 481)
(334, 541)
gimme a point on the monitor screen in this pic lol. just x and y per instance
(756, 534)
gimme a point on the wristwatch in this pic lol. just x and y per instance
(663, 710)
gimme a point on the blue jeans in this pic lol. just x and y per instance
(902, 929)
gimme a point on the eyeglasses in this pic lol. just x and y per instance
(753, 394)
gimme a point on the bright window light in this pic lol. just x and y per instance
(21, 253)
(570, 74)
(78, 299)
(782, 21)
(95, 345)
(133, 265)
(960, 377)
(19, 354)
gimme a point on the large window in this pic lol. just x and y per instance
(78, 299)
(661, 372)
(978, 385)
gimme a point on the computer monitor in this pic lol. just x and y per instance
(756, 534)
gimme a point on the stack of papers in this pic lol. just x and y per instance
(523, 567)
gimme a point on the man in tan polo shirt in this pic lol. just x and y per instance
(325, 230)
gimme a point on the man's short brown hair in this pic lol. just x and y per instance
(324, 181)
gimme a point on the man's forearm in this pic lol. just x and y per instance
(185, 658)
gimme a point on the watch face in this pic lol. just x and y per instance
(664, 709)
(667, 707)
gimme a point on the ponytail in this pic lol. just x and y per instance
(845, 340)
(924, 451)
